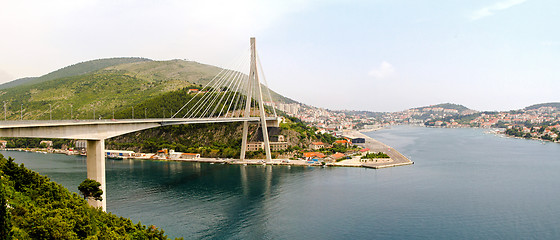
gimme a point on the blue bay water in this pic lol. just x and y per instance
(465, 184)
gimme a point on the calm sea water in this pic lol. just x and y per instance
(465, 184)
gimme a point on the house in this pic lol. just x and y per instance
(364, 150)
(192, 90)
(255, 146)
(342, 142)
(310, 155)
(3, 144)
(184, 156)
(317, 145)
(338, 156)
(274, 146)
(278, 146)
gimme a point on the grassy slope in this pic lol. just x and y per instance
(73, 70)
(116, 88)
(181, 70)
(105, 90)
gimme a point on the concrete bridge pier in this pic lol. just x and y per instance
(96, 169)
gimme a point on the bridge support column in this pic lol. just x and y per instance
(96, 169)
(244, 140)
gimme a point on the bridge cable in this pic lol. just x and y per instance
(232, 83)
(267, 87)
(210, 85)
(217, 92)
(201, 90)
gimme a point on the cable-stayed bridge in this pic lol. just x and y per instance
(236, 94)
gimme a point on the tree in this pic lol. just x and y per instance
(91, 188)
(5, 226)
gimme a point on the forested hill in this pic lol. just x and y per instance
(73, 70)
(33, 207)
(551, 104)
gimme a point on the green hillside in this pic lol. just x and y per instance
(112, 89)
(447, 106)
(33, 207)
(73, 70)
(536, 106)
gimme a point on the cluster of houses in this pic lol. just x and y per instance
(164, 154)
(538, 132)
(319, 156)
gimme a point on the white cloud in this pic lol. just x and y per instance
(383, 71)
(492, 9)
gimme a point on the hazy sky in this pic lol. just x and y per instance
(378, 55)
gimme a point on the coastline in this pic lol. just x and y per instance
(396, 158)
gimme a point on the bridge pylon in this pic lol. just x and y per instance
(253, 83)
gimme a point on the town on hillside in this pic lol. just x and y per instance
(541, 121)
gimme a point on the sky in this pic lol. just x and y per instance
(376, 55)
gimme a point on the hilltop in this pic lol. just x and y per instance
(537, 106)
(73, 70)
(457, 107)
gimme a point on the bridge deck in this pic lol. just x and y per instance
(99, 129)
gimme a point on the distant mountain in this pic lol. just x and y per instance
(457, 107)
(73, 70)
(536, 106)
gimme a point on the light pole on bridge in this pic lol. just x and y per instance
(132, 112)
(21, 112)
(50, 111)
(4, 110)
(145, 115)
(71, 112)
